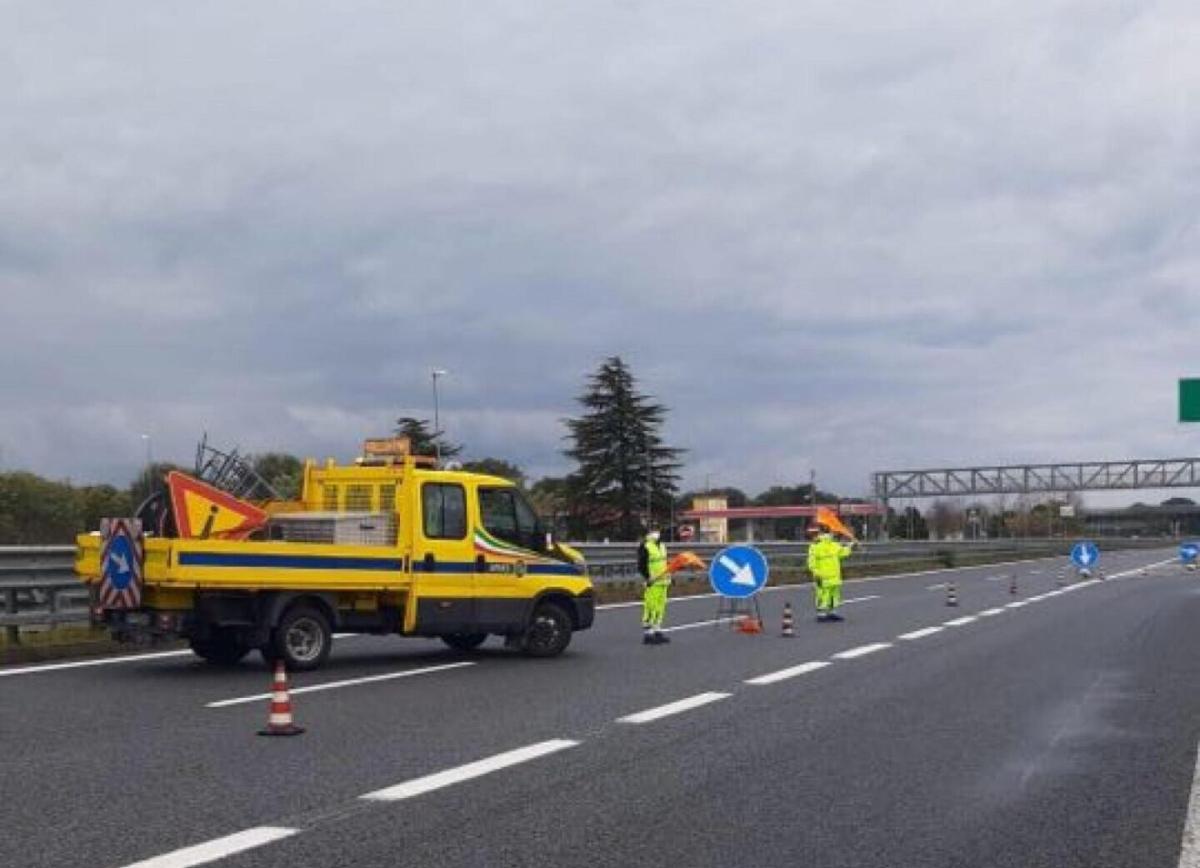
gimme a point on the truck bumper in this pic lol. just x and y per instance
(585, 611)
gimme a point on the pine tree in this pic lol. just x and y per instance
(627, 478)
(425, 441)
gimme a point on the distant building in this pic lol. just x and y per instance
(712, 529)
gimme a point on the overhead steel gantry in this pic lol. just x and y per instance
(1038, 478)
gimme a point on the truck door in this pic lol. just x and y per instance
(443, 561)
(508, 541)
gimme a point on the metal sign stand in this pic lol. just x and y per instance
(735, 608)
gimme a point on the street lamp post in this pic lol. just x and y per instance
(149, 450)
(437, 422)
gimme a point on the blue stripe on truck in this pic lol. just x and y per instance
(341, 562)
(288, 562)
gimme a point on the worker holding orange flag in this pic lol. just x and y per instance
(825, 556)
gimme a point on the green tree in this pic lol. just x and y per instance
(94, 502)
(151, 479)
(497, 467)
(909, 524)
(623, 464)
(424, 440)
(550, 497)
(735, 497)
(283, 472)
(35, 511)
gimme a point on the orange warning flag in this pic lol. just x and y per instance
(684, 561)
(830, 519)
(204, 512)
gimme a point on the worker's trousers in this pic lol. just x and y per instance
(654, 603)
(828, 595)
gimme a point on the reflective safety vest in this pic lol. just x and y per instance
(825, 559)
(656, 559)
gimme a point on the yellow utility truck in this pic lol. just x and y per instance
(388, 544)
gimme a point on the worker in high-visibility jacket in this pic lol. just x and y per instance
(825, 556)
(652, 564)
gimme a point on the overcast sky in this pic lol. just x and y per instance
(843, 235)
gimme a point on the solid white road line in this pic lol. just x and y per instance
(477, 769)
(987, 613)
(220, 848)
(1189, 849)
(936, 587)
(333, 685)
(80, 664)
(965, 619)
(1017, 605)
(920, 634)
(790, 672)
(862, 651)
(673, 708)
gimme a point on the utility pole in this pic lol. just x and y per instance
(649, 482)
(437, 423)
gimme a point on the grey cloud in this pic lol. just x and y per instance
(838, 235)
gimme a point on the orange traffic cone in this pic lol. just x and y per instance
(749, 625)
(788, 631)
(279, 721)
(951, 594)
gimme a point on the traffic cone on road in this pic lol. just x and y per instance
(788, 631)
(1012, 584)
(951, 594)
(749, 624)
(279, 721)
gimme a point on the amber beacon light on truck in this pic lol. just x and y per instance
(388, 544)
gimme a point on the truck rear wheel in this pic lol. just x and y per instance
(464, 641)
(303, 639)
(222, 649)
(549, 631)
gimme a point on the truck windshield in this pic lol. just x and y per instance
(507, 516)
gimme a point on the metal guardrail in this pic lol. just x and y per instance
(38, 586)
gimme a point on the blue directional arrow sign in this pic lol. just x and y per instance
(119, 564)
(1085, 554)
(1188, 552)
(738, 571)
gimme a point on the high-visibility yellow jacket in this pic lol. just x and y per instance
(655, 555)
(825, 559)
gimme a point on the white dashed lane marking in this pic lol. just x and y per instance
(790, 672)
(862, 651)
(470, 771)
(219, 848)
(920, 634)
(671, 708)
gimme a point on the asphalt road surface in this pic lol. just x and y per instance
(1051, 727)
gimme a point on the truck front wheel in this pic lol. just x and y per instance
(549, 631)
(222, 649)
(303, 639)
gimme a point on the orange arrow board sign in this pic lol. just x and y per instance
(204, 512)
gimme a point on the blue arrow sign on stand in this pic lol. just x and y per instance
(1085, 554)
(119, 565)
(738, 571)
(1188, 552)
